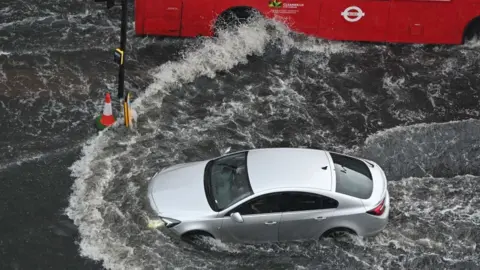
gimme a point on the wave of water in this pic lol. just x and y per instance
(198, 106)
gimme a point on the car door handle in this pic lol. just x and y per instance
(270, 222)
(320, 218)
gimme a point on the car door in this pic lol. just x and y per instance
(163, 17)
(424, 21)
(305, 215)
(359, 20)
(261, 217)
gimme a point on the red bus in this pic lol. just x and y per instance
(394, 21)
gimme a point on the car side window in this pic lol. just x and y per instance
(265, 204)
(300, 201)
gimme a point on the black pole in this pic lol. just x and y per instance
(123, 41)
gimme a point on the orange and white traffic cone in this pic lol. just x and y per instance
(106, 119)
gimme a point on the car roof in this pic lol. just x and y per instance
(283, 168)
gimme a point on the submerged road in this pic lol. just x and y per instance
(255, 88)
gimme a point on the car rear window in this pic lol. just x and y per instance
(353, 176)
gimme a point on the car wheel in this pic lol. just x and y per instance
(472, 31)
(231, 19)
(338, 233)
(197, 237)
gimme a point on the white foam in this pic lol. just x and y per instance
(472, 44)
(34, 157)
(87, 200)
(412, 128)
(213, 55)
(28, 20)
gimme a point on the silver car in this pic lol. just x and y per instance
(272, 194)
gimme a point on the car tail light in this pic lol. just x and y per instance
(378, 210)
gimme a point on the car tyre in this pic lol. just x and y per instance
(472, 31)
(196, 237)
(233, 18)
(338, 233)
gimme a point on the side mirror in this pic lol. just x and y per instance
(226, 151)
(237, 217)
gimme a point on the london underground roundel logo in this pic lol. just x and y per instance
(352, 14)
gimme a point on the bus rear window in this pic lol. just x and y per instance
(353, 176)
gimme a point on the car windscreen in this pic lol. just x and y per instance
(353, 176)
(226, 181)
